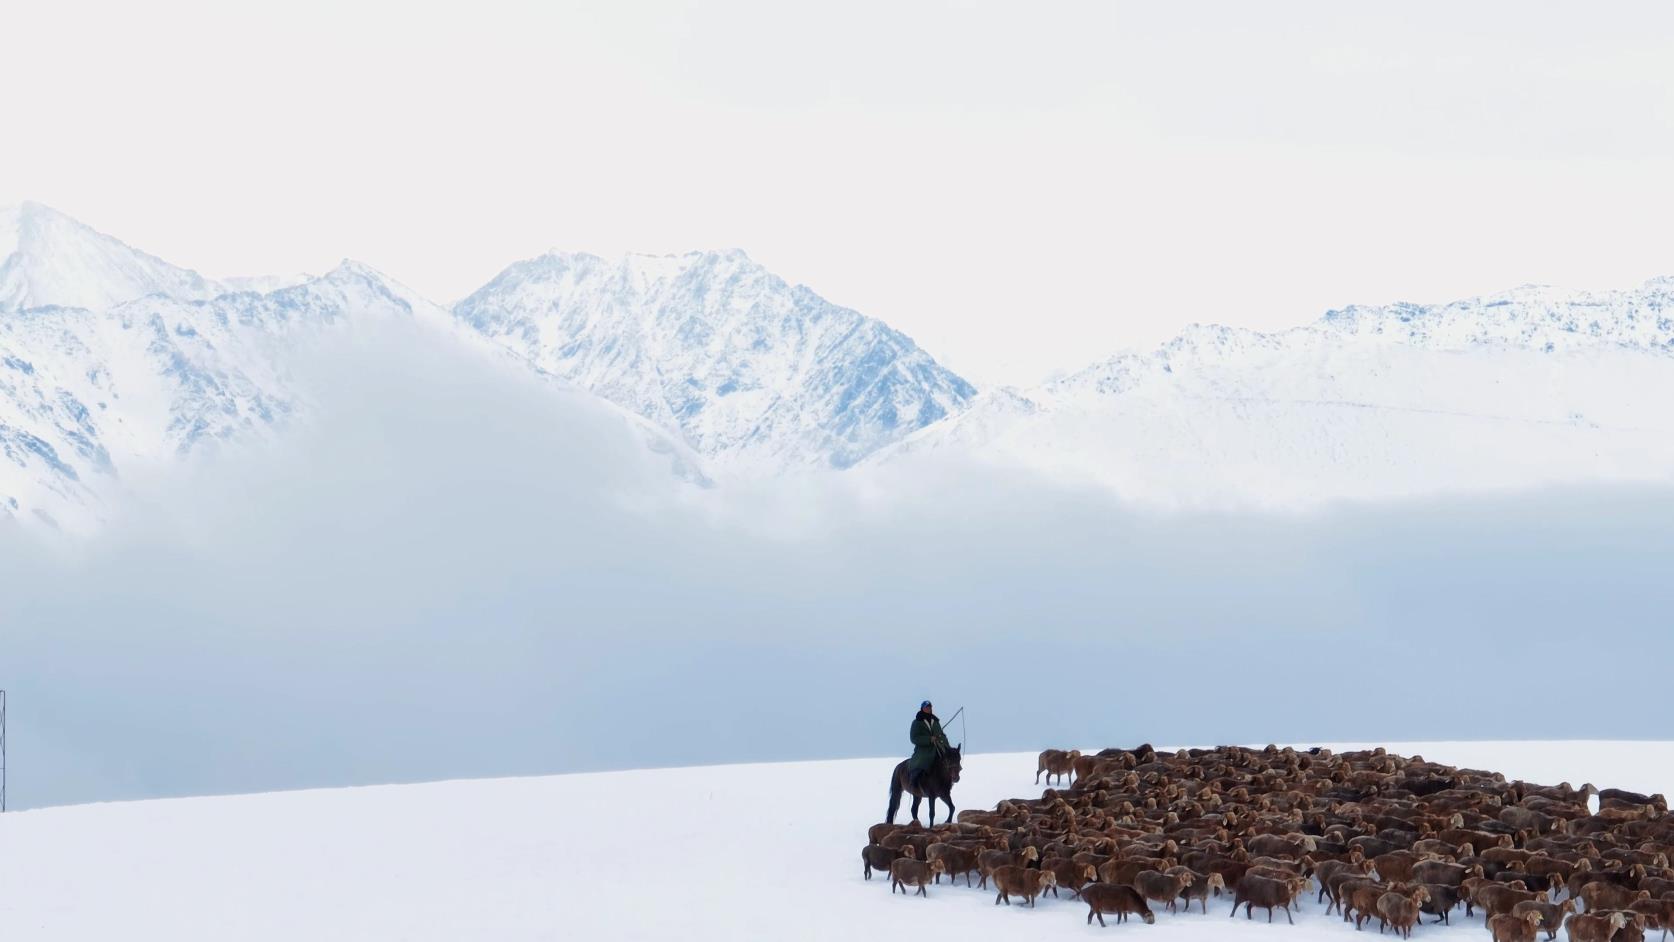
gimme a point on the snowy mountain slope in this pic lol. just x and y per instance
(48, 259)
(753, 373)
(717, 852)
(149, 382)
(1528, 388)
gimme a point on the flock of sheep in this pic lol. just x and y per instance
(1381, 837)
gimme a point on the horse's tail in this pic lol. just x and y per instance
(894, 794)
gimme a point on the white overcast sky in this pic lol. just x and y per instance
(1022, 187)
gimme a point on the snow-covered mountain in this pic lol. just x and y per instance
(1534, 386)
(151, 371)
(111, 359)
(753, 373)
(48, 259)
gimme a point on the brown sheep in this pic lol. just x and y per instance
(990, 859)
(877, 857)
(1498, 898)
(1332, 868)
(1200, 887)
(1056, 762)
(1161, 887)
(1124, 870)
(1267, 893)
(1276, 845)
(1658, 913)
(905, 872)
(1551, 914)
(955, 860)
(1585, 875)
(1019, 881)
(1116, 899)
(877, 832)
(1595, 896)
(1358, 900)
(1514, 927)
(1397, 866)
(1593, 928)
(1341, 886)
(1400, 911)
(1070, 875)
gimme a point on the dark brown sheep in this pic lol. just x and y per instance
(878, 857)
(1267, 893)
(905, 872)
(955, 860)
(1116, 899)
(1514, 927)
(1020, 881)
(1443, 900)
(1440, 871)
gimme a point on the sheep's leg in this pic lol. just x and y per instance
(1287, 916)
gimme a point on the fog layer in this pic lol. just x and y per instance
(451, 569)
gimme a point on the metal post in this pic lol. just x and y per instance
(2, 750)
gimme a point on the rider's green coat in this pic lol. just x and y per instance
(928, 740)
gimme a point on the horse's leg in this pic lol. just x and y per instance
(916, 799)
(932, 809)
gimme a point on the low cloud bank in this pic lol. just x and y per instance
(453, 569)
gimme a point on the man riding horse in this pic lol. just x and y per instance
(928, 742)
(932, 770)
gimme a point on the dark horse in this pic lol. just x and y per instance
(937, 782)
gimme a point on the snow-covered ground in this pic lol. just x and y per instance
(725, 852)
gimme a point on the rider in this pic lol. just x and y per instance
(928, 742)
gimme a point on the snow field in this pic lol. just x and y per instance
(711, 853)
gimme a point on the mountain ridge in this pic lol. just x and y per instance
(732, 373)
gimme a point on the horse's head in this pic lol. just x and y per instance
(953, 760)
